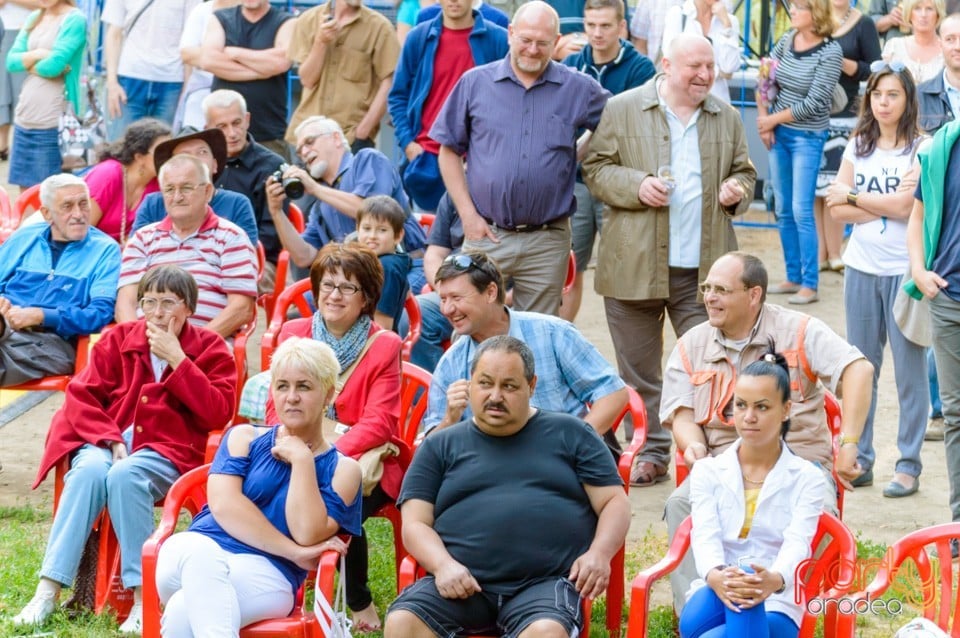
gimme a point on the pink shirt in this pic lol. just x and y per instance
(105, 181)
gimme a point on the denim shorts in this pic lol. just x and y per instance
(487, 612)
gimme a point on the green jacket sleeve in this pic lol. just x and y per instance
(71, 38)
(15, 55)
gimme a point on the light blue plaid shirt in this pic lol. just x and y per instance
(570, 371)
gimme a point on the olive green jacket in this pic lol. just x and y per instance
(630, 142)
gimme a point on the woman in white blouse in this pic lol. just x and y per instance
(713, 20)
(921, 51)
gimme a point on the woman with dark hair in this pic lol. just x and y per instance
(347, 280)
(874, 192)
(794, 128)
(49, 49)
(125, 175)
(755, 509)
(132, 422)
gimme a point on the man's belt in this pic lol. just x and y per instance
(522, 228)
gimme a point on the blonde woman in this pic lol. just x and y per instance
(794, 128)
(920, 51)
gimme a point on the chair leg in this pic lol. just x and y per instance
(110, 590)
(615, 594)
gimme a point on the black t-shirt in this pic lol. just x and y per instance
(267, 98)
(512, 509)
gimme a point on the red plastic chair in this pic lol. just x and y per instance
(426, 222)
(571, 273)
(189, 493)
(267, 300)
(240, 340)
(58, 382)
(414, 388)
(828, 576)
(26, 203)
(8, 221)
(412, 306)
(834, 420)
(926, 575)
(295, 295)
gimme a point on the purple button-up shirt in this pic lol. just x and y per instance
(520, 143)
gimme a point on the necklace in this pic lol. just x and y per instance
(750, 480)
(846, 16)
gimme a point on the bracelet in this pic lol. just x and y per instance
(848, 440)
(783, 587)
(852, 198)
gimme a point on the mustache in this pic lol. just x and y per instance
(495, 405)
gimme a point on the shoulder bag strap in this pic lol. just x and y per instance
(128, 28)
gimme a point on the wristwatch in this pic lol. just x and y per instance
(852, 198)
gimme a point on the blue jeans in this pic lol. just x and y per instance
(145, 99)
(128, 488)
(704, 616)
(434, 330)
(794, 163)
(936, 406)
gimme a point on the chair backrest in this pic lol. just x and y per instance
(426, 222)
(8, 221)
(414, 318)
(924, 575)
(27, 202)
(268, 299)
(240, 340)
(828, 576)
(295, 295)
(571, 275)
(414, 388)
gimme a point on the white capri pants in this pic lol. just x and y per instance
(211, 593)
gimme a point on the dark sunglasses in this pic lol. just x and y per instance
(881, 65)
(462, 262)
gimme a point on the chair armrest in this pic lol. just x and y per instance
(627, 458)
(329, 562)
(643, 582)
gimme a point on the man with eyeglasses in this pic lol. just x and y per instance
(336, 181)
(516, 121)
(572, 373)
(697, 404)
(215, 251)
(57, 282)
(671, 193)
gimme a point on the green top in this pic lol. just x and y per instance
(66, 56)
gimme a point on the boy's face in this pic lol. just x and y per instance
(377, 234)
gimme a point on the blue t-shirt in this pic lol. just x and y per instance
(396, 266)
(946, 261)
(266, 481)
(230, 205)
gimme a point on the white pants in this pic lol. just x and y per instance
(210, 593)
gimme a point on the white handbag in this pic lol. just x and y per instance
(334, 621)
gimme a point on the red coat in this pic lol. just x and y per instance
(117, 389)
(369, 403)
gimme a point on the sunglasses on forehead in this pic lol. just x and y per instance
(462, 262)
(881, 65)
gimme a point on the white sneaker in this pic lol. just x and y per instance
(37, 610)
(134, 622)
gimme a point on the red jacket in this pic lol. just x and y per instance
(369, 403)
(117, 389)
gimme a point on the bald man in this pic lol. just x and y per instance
(664, 229)
(518, 118)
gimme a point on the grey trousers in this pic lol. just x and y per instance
(945, 322)
(678, 508)
(868, 300)
(26, 355)
(636, 327)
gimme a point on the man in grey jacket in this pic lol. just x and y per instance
(671, 162)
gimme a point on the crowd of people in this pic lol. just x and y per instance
(523, 138)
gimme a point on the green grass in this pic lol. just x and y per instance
(23, 535)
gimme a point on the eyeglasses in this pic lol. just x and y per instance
(150, 304)
(308, 141)
(346, 289)
(881, 65)
(186, 190)
(721, 291)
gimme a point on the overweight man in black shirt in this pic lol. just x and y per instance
(515, 514)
